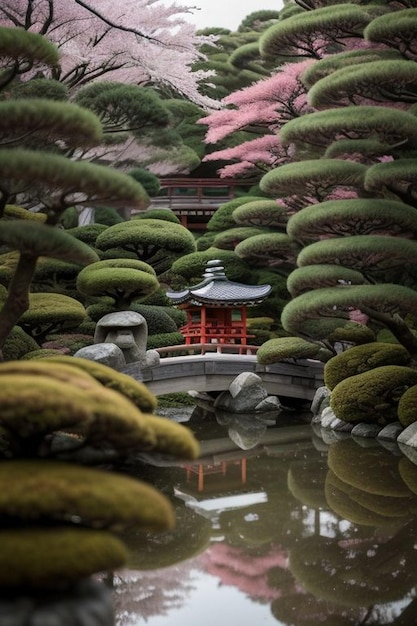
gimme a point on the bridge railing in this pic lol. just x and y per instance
(203, 348)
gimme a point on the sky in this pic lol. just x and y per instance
(227, 13)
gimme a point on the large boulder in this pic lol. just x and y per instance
(247, 393)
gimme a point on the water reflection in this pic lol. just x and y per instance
(289, 531)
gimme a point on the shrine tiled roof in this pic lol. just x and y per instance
(217, 289)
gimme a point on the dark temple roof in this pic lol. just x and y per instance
(217, 289)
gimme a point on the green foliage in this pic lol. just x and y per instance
(124, 107)
(88, 233)
(120, 279)
(315, 174)
(47, 88)
(407, 407)
(352, 333)
(158, 319)
(51, 312)
(319, 312)
(223, 217)
(97, 498)
(149, 181)
(359, 359)
(191, 267)
(283, 348)
(321, 275)
(157, 242)
(372, 396)
(56, 556)
(40, 240)
(162, 340)
(158, 214)
(45, 122)
(17, 344)
(361, 216)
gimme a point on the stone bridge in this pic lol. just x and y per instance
(215, 372)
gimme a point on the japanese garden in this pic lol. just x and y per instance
(208, 314)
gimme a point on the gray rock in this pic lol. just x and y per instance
(408, 436)
(410, 451)
(366, 430)
(245, 392)
(320, 401)
(105, 353)
(271, 403)
(327, 418)
(390, 432)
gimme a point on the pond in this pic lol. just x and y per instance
(275, 526)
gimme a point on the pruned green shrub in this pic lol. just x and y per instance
(372, 396)
(362, 358)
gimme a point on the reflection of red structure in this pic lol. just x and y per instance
(245, 570)
(203, 470)
(216, 308)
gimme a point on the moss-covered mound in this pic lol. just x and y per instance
(407, 407)
(47, 558)
(173, 438)
(18, 344)
(52, 557)
(280, 348)
(361, 359)
(373, 470)
(39, 492)
(372, 396)
(136, 391)
(33, 406)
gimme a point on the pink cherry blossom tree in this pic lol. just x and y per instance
(138, 41)
(263, 108)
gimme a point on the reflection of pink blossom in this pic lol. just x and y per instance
(356, 315)
(248, 572)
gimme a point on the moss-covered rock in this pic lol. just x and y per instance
(173, 438)
(407, 407)
(52, 557)
(372, 396)
(363, 358)
(40, 491)
(134, 390)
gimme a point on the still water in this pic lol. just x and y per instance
(276, 527)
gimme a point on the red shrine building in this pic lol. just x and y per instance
(216, 308)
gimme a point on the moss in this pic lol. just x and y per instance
(407, 407)
(43, 558)
(372, 470)
(275, 350)
(363, 358)
(179, 399)
(172, 438)
(352, 332)
(134, 390)
(40, 491)
(372, 396)
(17, 344)
(33, 405)
(42, 353)
(162, 340)
(60, 371)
